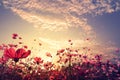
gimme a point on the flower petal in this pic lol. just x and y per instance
(19, 53)
(26, 54)
(9, 53)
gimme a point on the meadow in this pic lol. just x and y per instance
(15, 64)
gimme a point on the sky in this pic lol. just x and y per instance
(54, 22)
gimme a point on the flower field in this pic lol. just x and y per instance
(15, 64)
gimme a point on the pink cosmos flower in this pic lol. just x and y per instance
(3, 60)
(117, 50)
(48, 54)
(1, 48)
(38, 60)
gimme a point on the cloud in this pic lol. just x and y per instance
(61, 14)
(54, 44)
(58, 44)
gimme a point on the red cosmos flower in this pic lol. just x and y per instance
(51, 77)
(60, 51)
(47, 65)
(16, 55)
(38, 60)
(25, 47)
(4, 45)
(98, 57)
(84, 56)
(12, 45)
(14, 36)
(66, 60)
